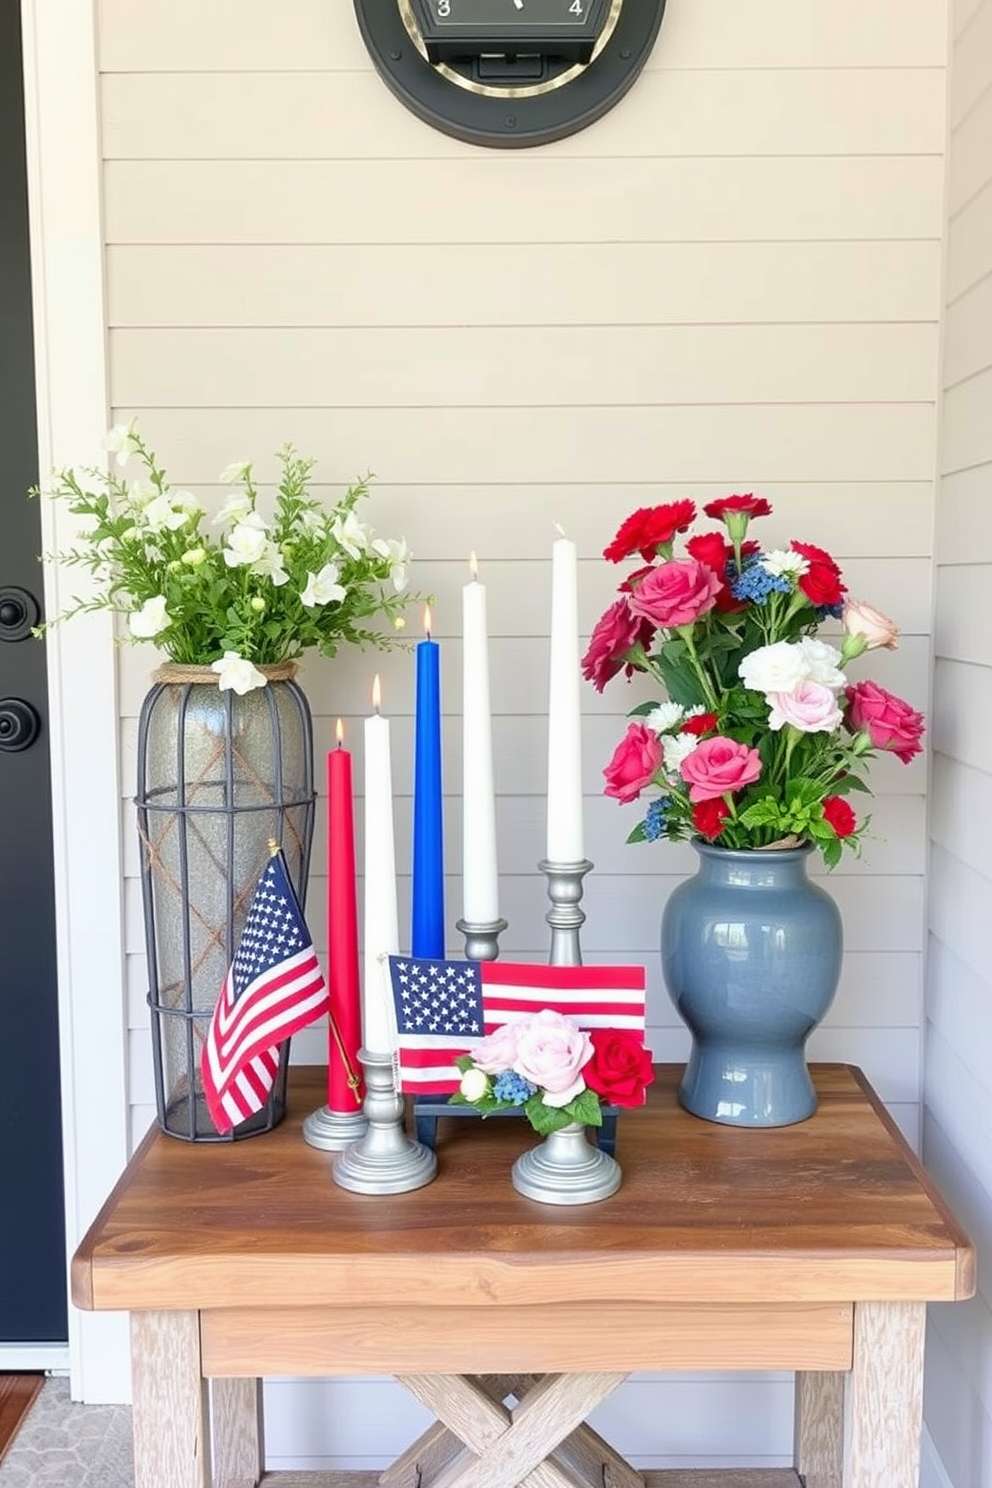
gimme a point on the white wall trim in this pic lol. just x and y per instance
(63, 159)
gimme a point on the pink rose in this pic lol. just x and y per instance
(616, 632)
(676, 593)
(550, 1054)
(636, 760)
(889, 721)
(867, 628)
(810, 707)
(718, 766)
(497, 1051)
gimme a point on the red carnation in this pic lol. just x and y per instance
(713, 549)
(615, 634)
(821, 583)
(708, 817)
(648, 529)
(749, 506)
(698, 724)
(838, 813)
(620, 1068)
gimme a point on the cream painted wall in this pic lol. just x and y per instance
(959, 982)
(731, 282)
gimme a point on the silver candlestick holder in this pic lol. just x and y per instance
(566, 1169)
(481, 941)
(565, 917)
(332, 1130)
(385, 1160)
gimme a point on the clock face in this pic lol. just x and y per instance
(520, 16)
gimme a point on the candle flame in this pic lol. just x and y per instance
(376, 692)
(473, 565)
(339, 733)
(427, 621)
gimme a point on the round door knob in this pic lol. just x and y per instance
(20, 725)
(18, 612)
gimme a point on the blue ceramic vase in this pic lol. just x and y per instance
(751, 955)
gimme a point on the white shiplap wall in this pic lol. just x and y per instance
(731, 282)
(957, 1129)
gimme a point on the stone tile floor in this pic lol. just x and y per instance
(63, 1445)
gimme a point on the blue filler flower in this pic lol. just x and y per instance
(513, 1088)
(755, 582)
(657, 817)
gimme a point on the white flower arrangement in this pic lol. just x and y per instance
(266, 588)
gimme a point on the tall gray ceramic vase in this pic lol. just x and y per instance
(751, 954)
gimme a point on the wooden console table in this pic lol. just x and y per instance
(811, 1248)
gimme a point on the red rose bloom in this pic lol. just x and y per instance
(648, 529)
(821, 583)
(698, 724)
(614, 635)
(838, 813)
(636, 760)
(749, 506)
(889, 722)
(708, 817)
(620, 1068)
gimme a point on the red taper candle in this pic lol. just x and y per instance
(344, 1092)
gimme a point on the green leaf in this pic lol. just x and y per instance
(545, 1119)
(586, 1108)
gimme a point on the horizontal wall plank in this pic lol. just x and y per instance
(962, 592)
(964, 532)
(971, 64)
(538, 199)
(968, 332)
(472, 367)
(969, 244)
(961, 1430)
(960, 810)
(961, 712)
(286, 116)
(955, 888)
(312, 284)
(245, 35)
(959, 1007)
(746, 446)
(969, 163)
(964, 1120)
(967, 428)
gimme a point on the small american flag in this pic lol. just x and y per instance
(274, 988)
(444, 1007)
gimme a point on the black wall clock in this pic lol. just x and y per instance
(509, 73)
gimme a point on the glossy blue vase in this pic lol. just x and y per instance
(751, 954)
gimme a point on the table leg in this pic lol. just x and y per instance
(883, 1408)
(236, 1418)
(819, 1435)
(171, 1420)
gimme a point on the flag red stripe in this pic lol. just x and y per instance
(561, 978)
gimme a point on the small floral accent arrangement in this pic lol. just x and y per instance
(761, 736)
(263, 588)
(554, 1071)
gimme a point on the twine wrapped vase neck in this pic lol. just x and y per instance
(182, 672)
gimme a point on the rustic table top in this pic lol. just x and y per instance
(835, 1208)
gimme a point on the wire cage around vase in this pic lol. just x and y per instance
(219, 776)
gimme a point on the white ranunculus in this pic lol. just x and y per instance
(150, 620)
(822, 663)
(323, 588)
(351, 533)
(397, 555)
(237, 508)
(474, 1084)
(270, 565)
(245, 544)
(238, 470)
(121, 442)
(161, 514)
(784, 563)
(236, 674)
(664, 717)
(776, 668)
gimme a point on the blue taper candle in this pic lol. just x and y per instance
(427, 921)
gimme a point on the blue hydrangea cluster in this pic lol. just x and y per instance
(657, 818)
(513, 1088)
(755, 583)
(832, 612)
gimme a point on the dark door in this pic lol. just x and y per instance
(32, 1241)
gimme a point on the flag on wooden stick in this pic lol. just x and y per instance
(274, 988)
